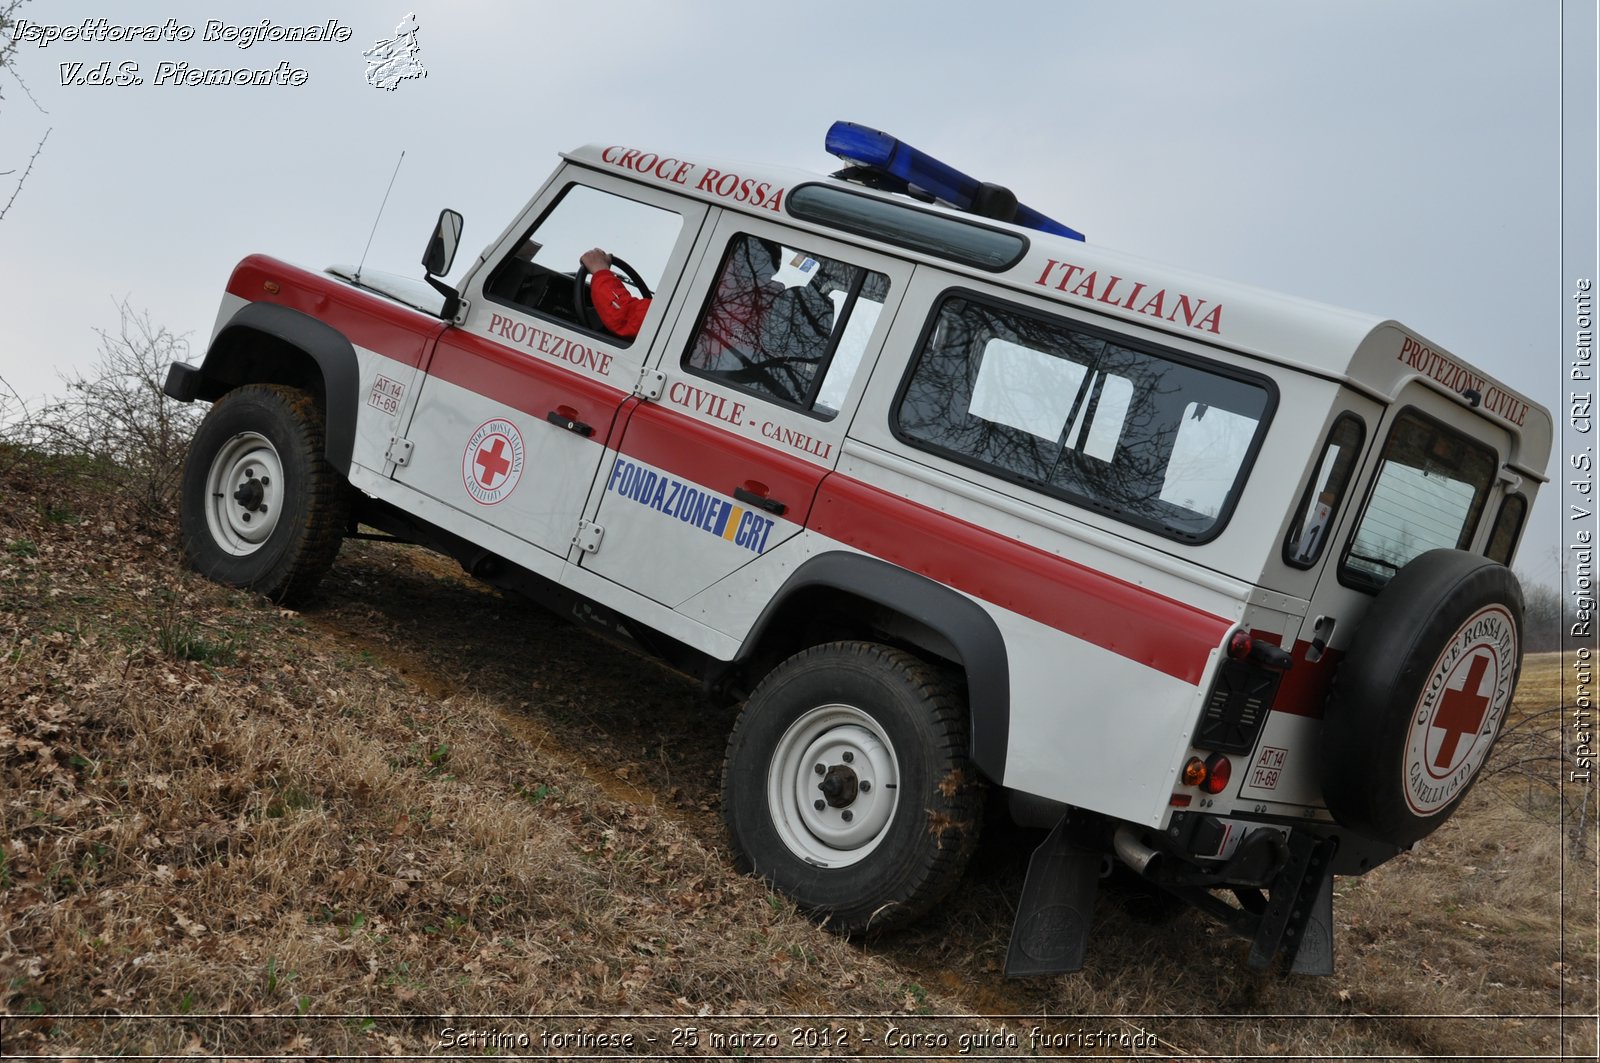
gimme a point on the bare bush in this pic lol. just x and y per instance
(1529, 750)
(1542, 621)
(1529, 765)
(123, 431)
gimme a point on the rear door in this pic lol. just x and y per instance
(1429, 480)
(760, 378)
(1392, 483)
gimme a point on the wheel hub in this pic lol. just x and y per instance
(250, 493)
(833, 785)
(244, 490)
(839, 786)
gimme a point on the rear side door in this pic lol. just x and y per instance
(760, 379)
(520, 402)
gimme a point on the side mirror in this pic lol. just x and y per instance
(442, 244)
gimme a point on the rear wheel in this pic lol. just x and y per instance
(847, 785)
(261, 506)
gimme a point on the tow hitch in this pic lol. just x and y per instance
(1284, 889)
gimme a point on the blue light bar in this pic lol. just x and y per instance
(885, 156)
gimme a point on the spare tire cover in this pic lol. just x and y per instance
(1420, 697)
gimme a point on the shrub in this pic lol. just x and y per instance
(115, 426)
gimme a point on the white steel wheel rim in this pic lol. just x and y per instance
(244, 493)
(855, 756)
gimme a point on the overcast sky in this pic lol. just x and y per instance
(1395, 158)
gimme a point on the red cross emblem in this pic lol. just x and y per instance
(1461, 713)
(492, 462)
(1462, 703)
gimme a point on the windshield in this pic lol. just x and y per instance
(1429, 492)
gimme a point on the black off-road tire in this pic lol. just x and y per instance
(1420, 697)
(261, 506)
(901, 803)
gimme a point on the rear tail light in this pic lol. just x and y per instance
(1194, 772)
(1218, 770)
(1242, 647)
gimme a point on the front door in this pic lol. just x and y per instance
(520, 403)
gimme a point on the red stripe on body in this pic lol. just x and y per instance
(371, 321)
(1130, 621)
(526, 382)
(1304, 688)
(720, 459)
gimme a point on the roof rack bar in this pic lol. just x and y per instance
(882, 160)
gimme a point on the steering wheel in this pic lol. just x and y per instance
(583, 299)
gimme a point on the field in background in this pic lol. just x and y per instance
(422, 799)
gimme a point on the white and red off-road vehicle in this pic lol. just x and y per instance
(1212, 579)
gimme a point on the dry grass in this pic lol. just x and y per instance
(425, 800)
(256, 821)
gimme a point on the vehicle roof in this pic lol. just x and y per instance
(1375, 355)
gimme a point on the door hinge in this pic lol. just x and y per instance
(652, 382)
(399, 451)
(588, 536)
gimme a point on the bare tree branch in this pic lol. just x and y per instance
(25, 90)
(8, 42)
(25, 174)
(8, 51)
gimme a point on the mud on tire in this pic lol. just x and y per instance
(1421, 695)
(261, 506)
(847, 785)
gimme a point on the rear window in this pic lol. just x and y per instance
(1147, 437)
(1429, 492)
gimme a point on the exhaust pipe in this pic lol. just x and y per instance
(1131, 851)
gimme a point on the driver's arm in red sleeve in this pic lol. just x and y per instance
(620, 310)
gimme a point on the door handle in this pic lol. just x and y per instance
(771, 505)
(567, 418)
(1320, 637)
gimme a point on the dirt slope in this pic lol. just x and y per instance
(329, 832)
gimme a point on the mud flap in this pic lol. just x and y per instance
(1315, 955)
(1051, 931)
(1298, 921)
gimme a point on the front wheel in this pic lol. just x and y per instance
(261, 506)
(847, 785)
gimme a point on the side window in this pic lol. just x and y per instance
(1430, 490)
(787, 325)
(1309, 533)
(537, 276)
(1507, 529)
(1153, 440)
